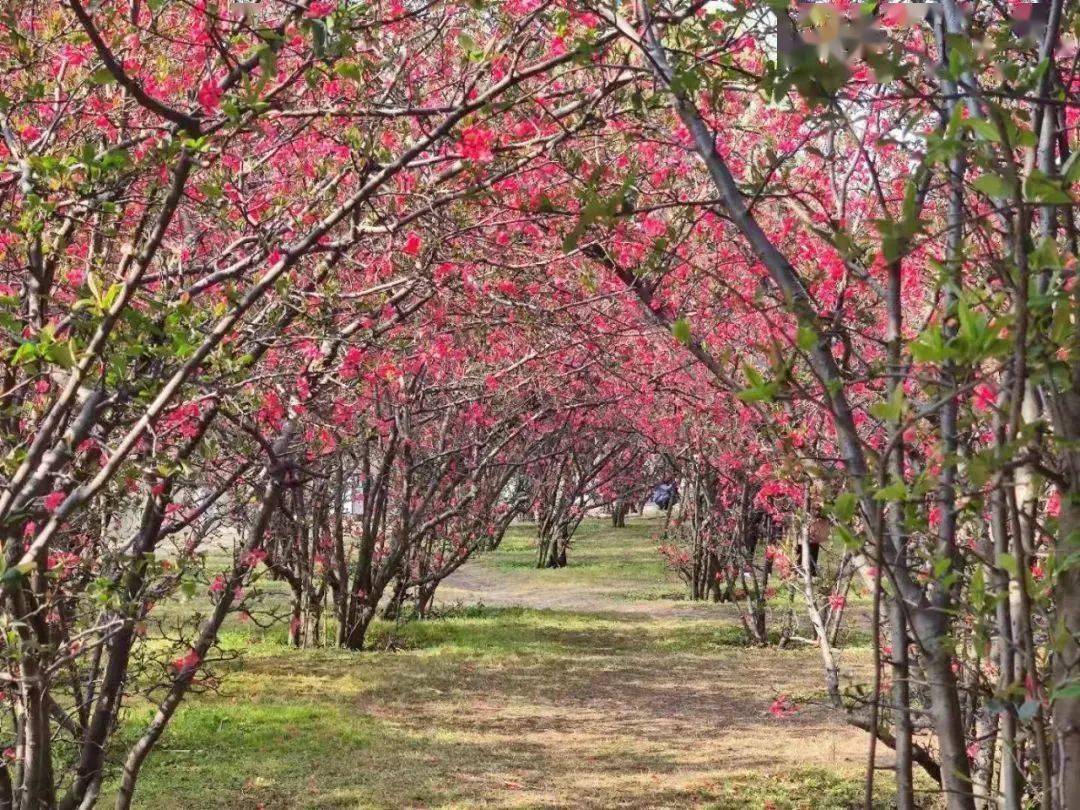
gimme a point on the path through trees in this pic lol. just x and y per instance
(612, 693)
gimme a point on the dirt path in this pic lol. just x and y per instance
(613, 721)
(478, 583)
(596, 687)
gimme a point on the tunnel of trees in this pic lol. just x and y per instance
(332, 293)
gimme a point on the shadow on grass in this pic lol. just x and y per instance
(514, 707)
(251, 750)
(480, 629)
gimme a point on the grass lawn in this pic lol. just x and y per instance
(587, 687)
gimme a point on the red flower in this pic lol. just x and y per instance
(320, 8)
(934, 516)
(984, 397)
(892, 15)
(186, 662)
(476, 144)
(413, 243)
(782, 707)
(209, 95)
(54, 499)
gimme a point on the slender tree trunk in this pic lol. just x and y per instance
(1066, 675)
(392, 611)
(296, 619)
(37, 785)
(341, 592)
(945, 711)
(208, 635)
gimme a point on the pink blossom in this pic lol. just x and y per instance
(413, 243)
(320, 8)
(477, 143)
(53, 500)
(209, 95)
(782, 707)
(935, 516)
(984, 397)
(187, 662)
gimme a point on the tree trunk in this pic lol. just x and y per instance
(1066, 704)
(392, 611)
(357, 632)
(37, 785)
(296, 619)
(945, 713)
(618, 514)
(424, 599)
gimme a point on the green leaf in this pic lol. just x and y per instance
(681, 330)
(1040, 188)
(758, 390)
(1046, 256)
(984, 129)
(25, 353)
(806, 338)
(992, 186)
(895, 491)
(844, 507)
(686, 82)
(1069, 689)
(62, 354)
(929, 347)
(110, 295)
(977, 589)
(570, 241)
(892, 409)
(102, 76)
(752, 375)
(847, 537)
(1071, 169)
(349, 71)
(941, 566)
(13, 575)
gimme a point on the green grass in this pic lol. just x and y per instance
(625, 559)
(802, 788)
(511, 706)
(521, 631)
